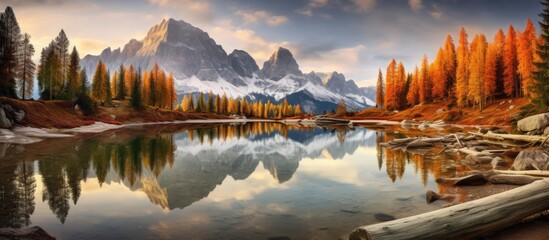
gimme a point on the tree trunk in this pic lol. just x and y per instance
(465, 220)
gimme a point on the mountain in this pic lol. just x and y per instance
(369, 92)
(199, 64)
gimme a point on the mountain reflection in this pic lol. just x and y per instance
(175, 170)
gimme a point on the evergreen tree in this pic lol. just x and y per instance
(99, 88)
(413, 90)
(540, 86)
(526, 50)
(425, 83)
(62, 49)
(200, 106)
(477, 67)
(210, 107)
(73, 75)
(26, 69)
(462, 72)
(121, 83)
(83, 81)
(135, 94)
(390, 82)
(10, 40)
(490, 72)
(171, 91)
(108, 92)
(341, 108)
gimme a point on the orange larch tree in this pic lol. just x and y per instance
(390, 88)
(525, 50)
(490, 72)
(413, 90)
(425, 83)
(499, 42)
(439, 78)
(400, 86)
(380, 92)
(450, 65)
(510, 64)
(462, 75)
(475, 93)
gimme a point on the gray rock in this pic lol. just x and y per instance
(532, 159)
(546, 131)
(336, 82)
(4, 121)
(534, 123)
(19, 116)
(281, 64)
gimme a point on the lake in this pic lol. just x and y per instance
(253, 181)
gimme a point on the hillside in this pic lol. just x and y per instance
(61, 114)
(498, 113)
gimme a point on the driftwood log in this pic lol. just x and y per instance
(513, 179)
(514, 137)
(465, 220)
(534, 173)
(470, 180)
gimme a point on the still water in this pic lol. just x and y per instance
(253, 181)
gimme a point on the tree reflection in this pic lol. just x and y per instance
(17, 187)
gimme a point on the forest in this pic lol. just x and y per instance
(513, 65)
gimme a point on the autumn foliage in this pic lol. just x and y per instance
(471, 75)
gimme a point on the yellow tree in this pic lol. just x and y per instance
(526, 50)
(462, 75)
(475, 94)
(171, 91)
(439, 71)
(390, 88)
(99, 88)
(510, 75)
(425, 84)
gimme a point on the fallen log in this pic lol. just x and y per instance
(514, 137)
(473, 152)
(467, 220)
(534, 173)
(419, 143)
(513, 179)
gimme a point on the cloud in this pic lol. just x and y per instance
(416, 5)
(197, 9)
(256, 17)
(311, 5)
(339, 59)
(361, 6)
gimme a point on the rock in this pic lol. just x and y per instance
(113, 116)
(534, 123)
(423, 126)
(546, 132)
(19, 116)
(498, 130)
(511, 153)
(7, 108)
(281, 63)
(382, 217)
(33, 233)
(532, 159)
(4, 121)
(243, 63)
(440, 111)
(512, 107)
(498, 162)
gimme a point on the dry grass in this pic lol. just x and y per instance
(61, 114)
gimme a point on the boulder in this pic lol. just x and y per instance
(4, 121)
(19, 116)
(532, 159)
(546, 132)
(534, 123)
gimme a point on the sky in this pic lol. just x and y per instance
(353, 37)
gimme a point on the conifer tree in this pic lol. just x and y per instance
(26, 69)
(171, 91)
(210, 107)
(400, 84)
(73, 74)
(510, 74)
(425, 84)
(390, 82)
(380, 93)
(99, 88)
(10, 39)
(540, 86)
(200, 104)
(477, 66)
(439, 78)
(526, 50)
(135, 94)
(83, 81)
(413, 90)
(217, 104)
(499, 42)
(462, 74)
(490, 72)
(121, 83)
(450, 65)
(62, 49)
(108, 93)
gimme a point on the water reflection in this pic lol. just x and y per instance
(176, 170)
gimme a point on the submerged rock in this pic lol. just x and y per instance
(4, 121)
(384, 217)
